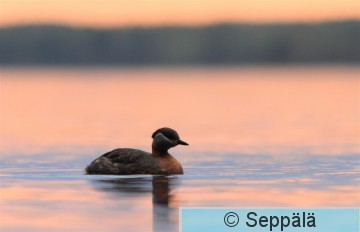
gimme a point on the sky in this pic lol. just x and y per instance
(108, 13)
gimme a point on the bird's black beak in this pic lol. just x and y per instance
(182, 142)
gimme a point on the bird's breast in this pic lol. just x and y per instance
(169, 165)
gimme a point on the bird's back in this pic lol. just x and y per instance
(124, 161)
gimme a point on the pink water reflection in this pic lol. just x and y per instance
(248, 110)
(267, 197)
(73, 206)
(76, 207)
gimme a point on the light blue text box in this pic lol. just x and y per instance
(215, 219)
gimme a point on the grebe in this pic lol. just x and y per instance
(127, 161)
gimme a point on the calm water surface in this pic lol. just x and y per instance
(259, 137)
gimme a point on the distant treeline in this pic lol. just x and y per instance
(216, 44)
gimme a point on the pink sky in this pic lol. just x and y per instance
(157, 12)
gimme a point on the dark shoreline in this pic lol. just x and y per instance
(212, 45)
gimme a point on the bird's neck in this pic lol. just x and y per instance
(157, 152)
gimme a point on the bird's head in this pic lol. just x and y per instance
(166, 138)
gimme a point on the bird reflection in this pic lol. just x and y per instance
(161, 198)
(161, 187)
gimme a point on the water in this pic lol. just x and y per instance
(259, 137)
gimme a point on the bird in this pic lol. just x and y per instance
(128, 161)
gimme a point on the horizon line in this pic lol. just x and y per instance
(290, 22)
